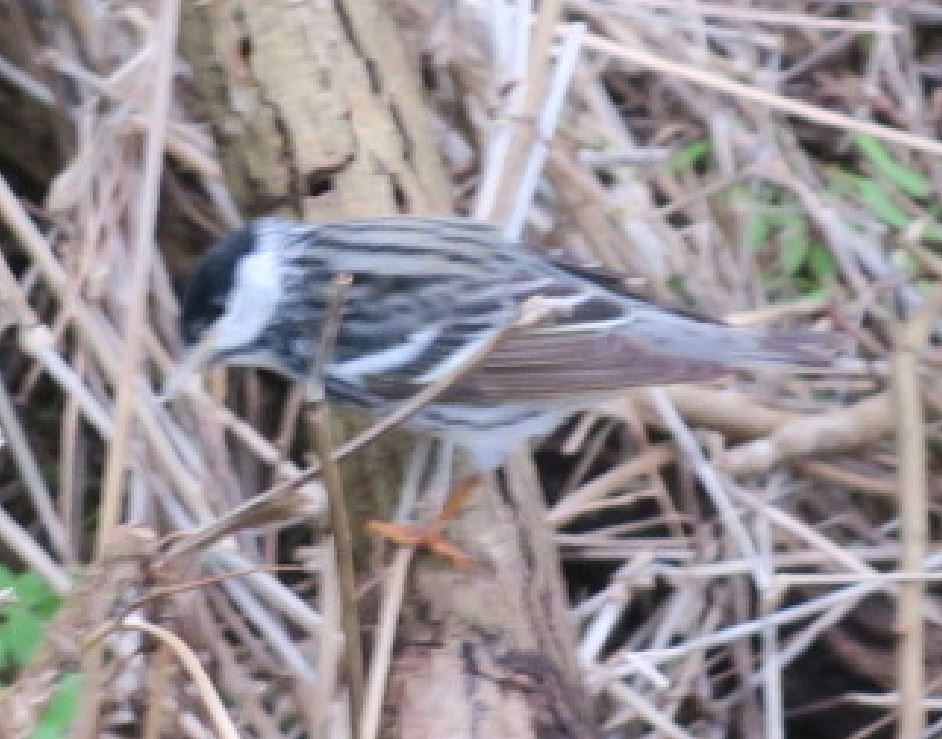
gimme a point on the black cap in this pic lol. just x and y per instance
(206, 293)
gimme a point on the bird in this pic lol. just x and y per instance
(425, 294)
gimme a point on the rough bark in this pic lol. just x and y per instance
(314, 108)
(495, 644)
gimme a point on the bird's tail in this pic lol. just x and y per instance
(739, 348)
(762, 349)
(810, 349)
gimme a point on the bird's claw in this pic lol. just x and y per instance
(431, 536)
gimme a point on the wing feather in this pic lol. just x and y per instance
(531, 367)
(606, 340)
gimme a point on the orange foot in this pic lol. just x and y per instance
(431, 535)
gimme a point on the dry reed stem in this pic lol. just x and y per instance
(163, 44)
(839, 430)
(15, 438)
(913, 495)
(319, 421)
(394, 584)
(156, 715)
(329, 642)
(512, 64)
(646, 710)
(536, 53)
(731, 12)
(734, 413)
(183, 142)
(577, 501)
(855, 481)
(544, 130)
(100, 339)
(801, 531)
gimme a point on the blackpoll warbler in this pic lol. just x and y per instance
(425, 293)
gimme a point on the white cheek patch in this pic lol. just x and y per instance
(252, 302)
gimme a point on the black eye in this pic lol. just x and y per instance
(193, 328)
(203, 305)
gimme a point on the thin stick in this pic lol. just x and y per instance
(629, 52)
(729, 634)
(799, 529)
(159, 684)
(714, 10)
(26, 83)
(513, 63)
(709, 479)
(18, 540)
(32, 476)
(329, 645)
(913, 494)
(393, 591)
(805, 579)
(163, 48)
(534, 50)
(382, 650)
(648, 711)
(319, 422)
(165, 44)
(545, 128)
(771, 660)
(645, 464)
(274, 631)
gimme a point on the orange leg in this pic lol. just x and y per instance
(431, 535)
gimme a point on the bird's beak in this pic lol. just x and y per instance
(193, 362)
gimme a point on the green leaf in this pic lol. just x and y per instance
(689, 156)
(758, 228)
(905, 262)
(841, 183)
(22, 622)
(881, 203)
(795, 244)
(932, 232)
(819, 292)
(821, 263)
(21, 633)
(60, 713)
(34, 592)
(804, 285)
(908, 180)
(676, 284)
